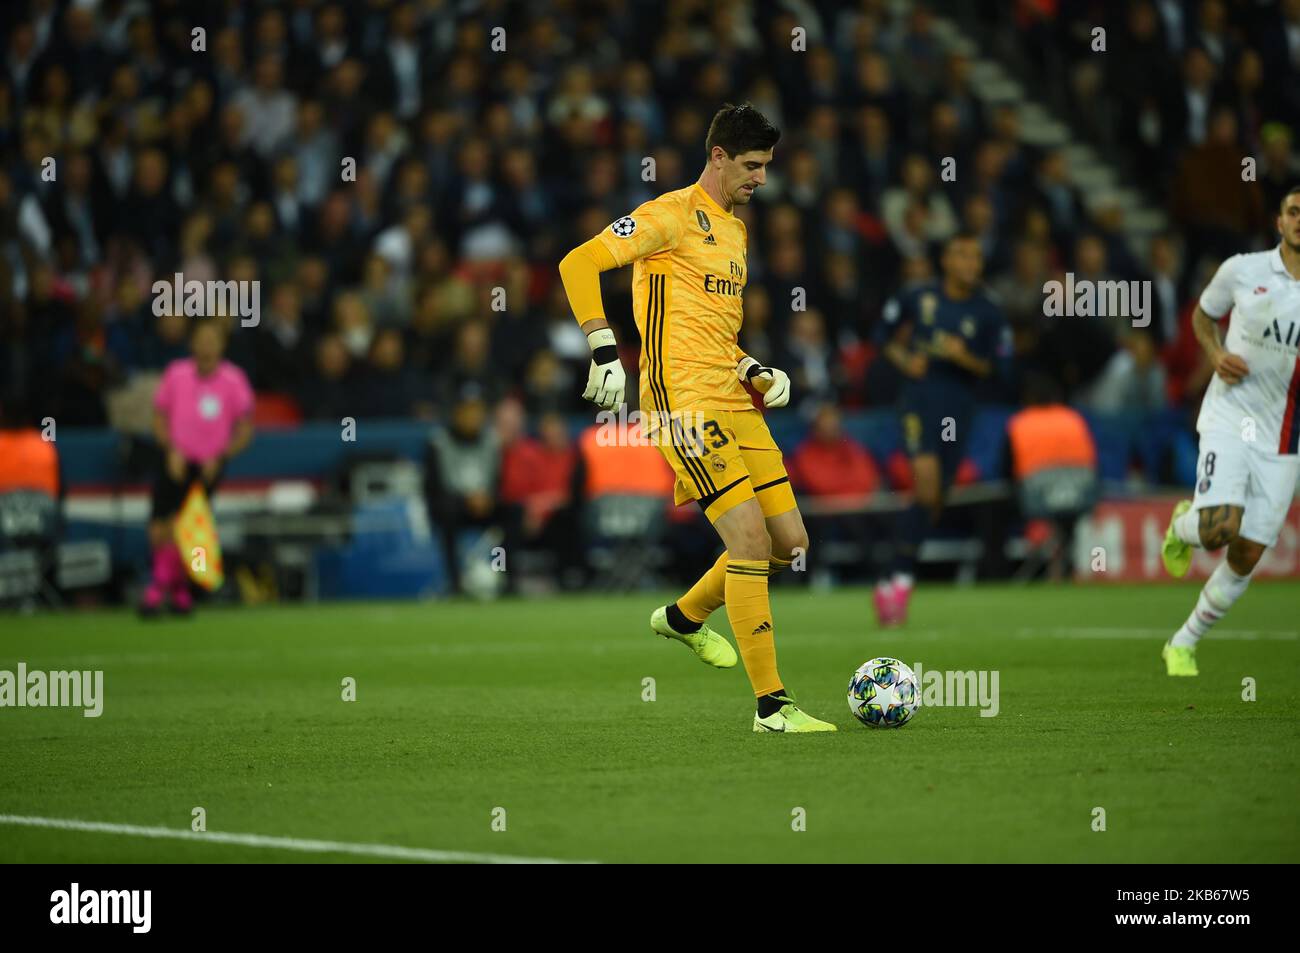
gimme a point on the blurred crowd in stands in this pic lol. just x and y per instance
(430, 279)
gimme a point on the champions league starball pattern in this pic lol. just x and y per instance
(883, 693)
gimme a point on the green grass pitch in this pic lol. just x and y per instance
(537, 707)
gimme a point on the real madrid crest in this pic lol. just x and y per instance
(968, 326)
(928, 303)
(703, 219)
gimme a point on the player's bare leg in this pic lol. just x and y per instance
(1210, 527)
(1216, 526)
(789, 539)
(684, 619)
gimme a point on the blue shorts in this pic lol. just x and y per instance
(937, 424)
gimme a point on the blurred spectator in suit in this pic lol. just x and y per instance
(281, 349)
(331, 393)
(918, 188)
(1165, 269)
(389, 387)
(810, 358)
(1279, 169)
(1209, 199)
(1020, 293)
(1132, 381)
(462, 475)
(470, 364)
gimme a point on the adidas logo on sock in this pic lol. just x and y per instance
(764, 627)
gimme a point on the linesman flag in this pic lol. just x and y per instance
(196, 538)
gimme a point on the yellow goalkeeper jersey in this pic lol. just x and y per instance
(687, 280)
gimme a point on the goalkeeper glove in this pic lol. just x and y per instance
(606, 381)
(773, 384)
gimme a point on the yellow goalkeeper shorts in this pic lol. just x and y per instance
(724, 457)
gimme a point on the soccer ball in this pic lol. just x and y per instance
(883, 693)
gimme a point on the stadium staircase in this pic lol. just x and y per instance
(1098, 178)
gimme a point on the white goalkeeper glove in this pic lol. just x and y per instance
(772, 383)
(606, 382)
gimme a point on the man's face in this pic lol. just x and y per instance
(1288, 222)
(963, 262)
(208, 344)
(468, 417)
(826, 425)
(743, 174)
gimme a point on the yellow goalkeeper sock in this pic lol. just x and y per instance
(751, 622)
(707, 594)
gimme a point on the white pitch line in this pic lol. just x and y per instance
(1245, 635)
(390, 851)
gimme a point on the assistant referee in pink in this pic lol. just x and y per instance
(203, 416)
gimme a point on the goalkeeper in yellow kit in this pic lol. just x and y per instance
(689, 251)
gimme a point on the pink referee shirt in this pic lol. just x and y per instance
(201, 411)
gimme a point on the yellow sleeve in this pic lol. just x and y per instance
(740, 355)
(653, 227)
(580, 273)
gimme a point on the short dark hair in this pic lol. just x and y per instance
(740, 129)
(1294, 190)
(1041, 388)
(213, 322)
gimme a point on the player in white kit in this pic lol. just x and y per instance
(1249, 425)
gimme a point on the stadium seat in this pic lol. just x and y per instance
(276, 412)
(1111, 436)
(626, 534)
(1058, 492)
(29, 539)
(1060, 496)
(1185, 449)
(389, 555)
